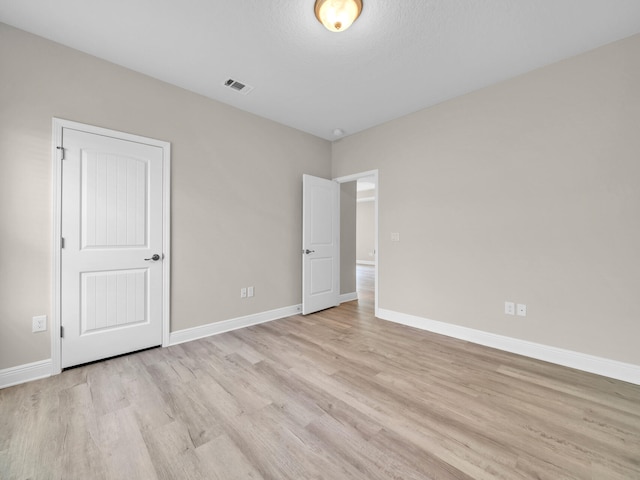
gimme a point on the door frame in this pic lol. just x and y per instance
(375, 175)
(58, 125)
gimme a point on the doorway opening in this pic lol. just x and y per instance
(365, 242)
(366, 237)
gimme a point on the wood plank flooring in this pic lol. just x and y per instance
(334, 395)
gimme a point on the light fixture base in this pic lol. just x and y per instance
(337, 15)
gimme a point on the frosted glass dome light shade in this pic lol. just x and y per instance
(338, 15)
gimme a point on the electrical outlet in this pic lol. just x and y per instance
(522, 310)
(243, 292)
(509, 308)
(250, 291)
(39, 323)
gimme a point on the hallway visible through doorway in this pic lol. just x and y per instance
(365, 284)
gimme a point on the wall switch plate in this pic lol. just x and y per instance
(509, 308)
(39, 323)
(395, 237)
(249, 291)
(522, 310)
(243, 292)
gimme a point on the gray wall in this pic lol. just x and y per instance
(236, 187)
(348, 237)
(524, 191)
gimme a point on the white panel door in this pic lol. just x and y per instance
(320, 244)
(111, 282)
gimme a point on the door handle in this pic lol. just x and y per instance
(307, 251)
(154, 257)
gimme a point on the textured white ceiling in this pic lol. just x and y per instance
(398, 57)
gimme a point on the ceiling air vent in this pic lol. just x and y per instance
(240, 87)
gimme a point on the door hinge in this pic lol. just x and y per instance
(61, 151)
(61, 331)
(62, 242)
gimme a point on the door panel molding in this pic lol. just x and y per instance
(58, 126)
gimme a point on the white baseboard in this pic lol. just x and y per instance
(25, 373)
(215, 328)
(365, 262)
(36, 370)
(348, 297)
(589, 363)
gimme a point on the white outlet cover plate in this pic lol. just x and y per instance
(522, 310)
(39, 323)
(509, 308)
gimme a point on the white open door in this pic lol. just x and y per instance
(320, 244)
(111, 260)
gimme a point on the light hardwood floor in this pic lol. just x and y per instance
(335, 395)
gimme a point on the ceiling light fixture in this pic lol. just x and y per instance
(338, 15)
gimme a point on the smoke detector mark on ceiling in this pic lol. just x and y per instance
(239, 87)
